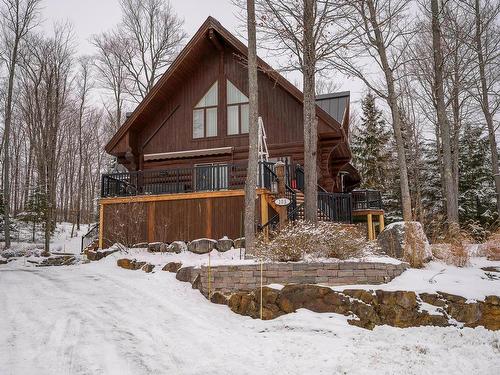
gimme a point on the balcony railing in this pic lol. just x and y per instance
(366, 199)
(184, 180)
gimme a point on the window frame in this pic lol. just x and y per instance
(205, 110)
(238, 105)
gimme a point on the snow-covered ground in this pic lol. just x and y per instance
(100, 319)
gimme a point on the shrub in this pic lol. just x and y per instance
(302, 240)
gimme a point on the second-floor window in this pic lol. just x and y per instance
(237, 110)
(205, 114)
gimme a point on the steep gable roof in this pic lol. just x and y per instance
(174, 76)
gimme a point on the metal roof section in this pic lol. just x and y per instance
(334, 104)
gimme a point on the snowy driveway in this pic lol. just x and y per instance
(98, 319)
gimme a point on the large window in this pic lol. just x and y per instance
(205, 114)
(237, 110)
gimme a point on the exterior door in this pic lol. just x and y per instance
(211, 177)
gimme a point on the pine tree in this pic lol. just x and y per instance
(35, 209)
(476, 184)
(370, 146)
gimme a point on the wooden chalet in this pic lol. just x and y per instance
(185, 150)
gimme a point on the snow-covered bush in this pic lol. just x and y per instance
(301, 240)
(21, 250)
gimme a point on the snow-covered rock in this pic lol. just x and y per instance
(224, 244)
(202, 246)
(406, 241)
(177, 247)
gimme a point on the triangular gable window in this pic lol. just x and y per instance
(205, 114)
(237, 110)
(210, 98)
(234, 95)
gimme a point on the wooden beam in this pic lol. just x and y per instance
(381, 222)
(370, 227)
(151, 221)
(264, 214)
(180, 196)
(101, 224)
(366, 212)
(209, 218)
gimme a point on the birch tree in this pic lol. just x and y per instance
(253, 150)
(18, 17)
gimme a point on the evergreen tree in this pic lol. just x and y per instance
(35, 209)
(476, 184)
(370, 146)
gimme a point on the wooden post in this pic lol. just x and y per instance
(264, 214)
(101, 224)
(280, 172)
(370, 226)
(381, 222)
(151, 222)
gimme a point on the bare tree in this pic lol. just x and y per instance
(150, 34)
(486, 44)
(442, 118)
(45, 96)
(379, 34)
(18, 17)
(83, 88)
(111, 73)
(302, 33)
(253, 132)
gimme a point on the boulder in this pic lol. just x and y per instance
(130, 264)
(3, 261)
(172, 267)
(148, 268)
(177, 247)
(224, 244)
(202, 246)
(218, 298)
(155, 247)
(406, 241)
(187, 274)
(239, 243)
(99, 254)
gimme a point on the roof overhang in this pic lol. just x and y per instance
(188, 154)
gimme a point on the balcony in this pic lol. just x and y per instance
(231, 176)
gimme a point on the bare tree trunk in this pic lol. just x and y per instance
(396, 117)
(485, 105)
(443, 123)
(8, 121)
(310, 121)
(253, 133)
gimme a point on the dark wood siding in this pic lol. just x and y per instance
(171, 220)
(169, 127)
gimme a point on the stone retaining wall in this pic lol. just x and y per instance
(247, 277)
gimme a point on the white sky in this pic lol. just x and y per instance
(94, 16)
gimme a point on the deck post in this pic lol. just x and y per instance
(381, 222)
(264, 214)
(101, 224)
(370, 226)
(280, 173)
